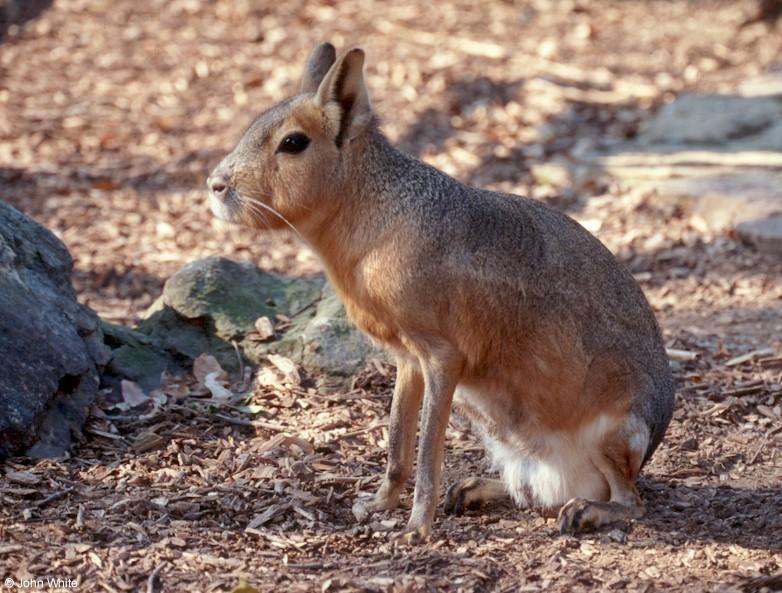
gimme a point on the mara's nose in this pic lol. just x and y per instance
(218, 185)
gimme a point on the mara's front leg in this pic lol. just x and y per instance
(441, 372)
(403, 425)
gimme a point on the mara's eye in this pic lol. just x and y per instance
(293, 143)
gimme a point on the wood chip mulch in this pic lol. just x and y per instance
(110, 119)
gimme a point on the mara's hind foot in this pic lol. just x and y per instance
(579, 515)
(473, 492)
(619, 462)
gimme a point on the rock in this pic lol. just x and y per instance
(326, 344)
(51, 346)
(715, 157)
(767, 84)
(137, 357)
(721, 201)
(766, 234)
(233, 295)
(212, 303)
(748, 123)
(360, 511)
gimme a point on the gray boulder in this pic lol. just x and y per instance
(765, 234)
(324, 342)
(715, 157)
(51, 346)
(746, 123)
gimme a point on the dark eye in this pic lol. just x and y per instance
(293, 143)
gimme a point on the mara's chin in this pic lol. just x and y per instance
(222, 210)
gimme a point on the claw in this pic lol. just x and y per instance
(457, 499)
(571, 516)
(579, 515)
(454, 500)
(386, 498)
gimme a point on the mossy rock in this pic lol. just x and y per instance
(324, 342)
(137, 357)
(232, 295)
(211, 304)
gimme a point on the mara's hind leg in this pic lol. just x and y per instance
(619, 460)
(473, 491)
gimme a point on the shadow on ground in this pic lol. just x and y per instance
(19, 12)
(748, 517)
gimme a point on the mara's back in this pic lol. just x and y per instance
(532, 296)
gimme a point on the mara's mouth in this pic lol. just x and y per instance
(237, 208)
(227, 207)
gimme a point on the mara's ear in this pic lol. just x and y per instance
(319, 62)
(344, 86)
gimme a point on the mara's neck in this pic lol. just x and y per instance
(370, 202)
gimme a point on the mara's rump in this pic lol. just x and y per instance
(545, 455)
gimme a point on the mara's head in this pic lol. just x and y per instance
(295, 155)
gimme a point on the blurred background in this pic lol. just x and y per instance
(113, 113)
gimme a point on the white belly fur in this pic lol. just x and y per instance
(542, 468)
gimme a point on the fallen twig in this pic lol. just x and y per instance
(754, 457)
(52, 497)
(749, 356)
(153, 582)
(681, 355)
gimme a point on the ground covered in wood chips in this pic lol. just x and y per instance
(111, 115)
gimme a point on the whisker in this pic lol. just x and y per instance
(248, 200)
(260, 213)
(257, 212)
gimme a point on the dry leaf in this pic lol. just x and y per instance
(287, 367)
(215, 388)
(132, 395)
(207, 364)
(268, 377)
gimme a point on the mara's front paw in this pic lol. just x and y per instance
(385, 500)
(412, 536)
